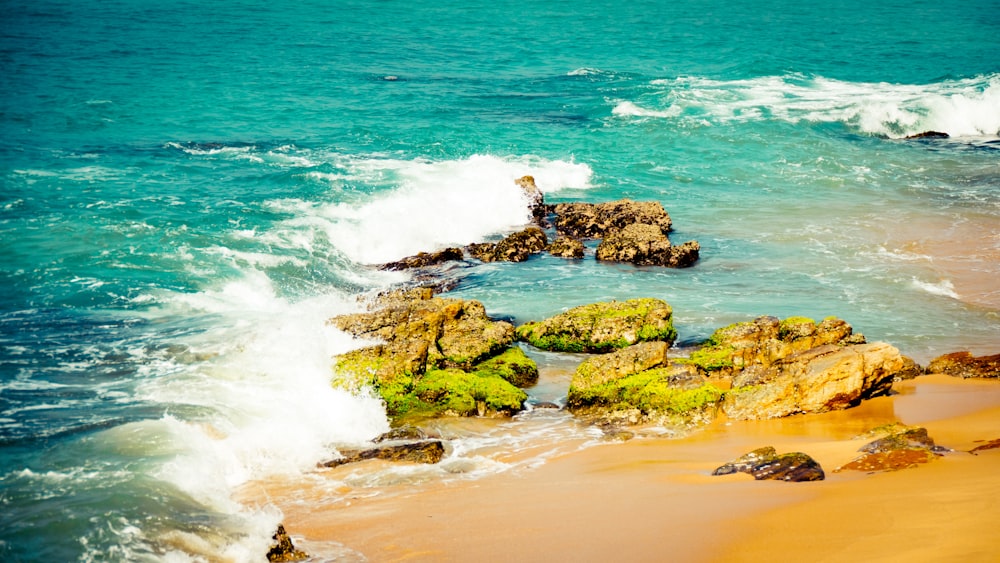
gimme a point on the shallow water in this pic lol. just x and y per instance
(187, 193)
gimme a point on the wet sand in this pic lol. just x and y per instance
(653, 499)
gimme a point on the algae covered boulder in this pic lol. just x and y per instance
(434, 356)
(602, 327)
(782, 367)
(897, 446)
(639, 384)
(767, 464)
(516, 247)
(595, 220)
(646, 245)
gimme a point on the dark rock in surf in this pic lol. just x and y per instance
(929, 135)
(427, 451)
(513, 248)
(965, 365)
(536, 202)
(425, 259)
(283, 550)
(766, 463)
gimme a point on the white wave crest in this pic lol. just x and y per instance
(961, 108)
(430, 205)
(944, 288)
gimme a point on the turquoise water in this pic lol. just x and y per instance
(188, 190)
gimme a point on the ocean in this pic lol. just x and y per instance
(188, 190)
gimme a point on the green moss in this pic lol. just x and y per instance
(789, 326)
(573, 330)
(513, 366)
(648, 391)
(459, 392)
(712, 357)
(652, 334)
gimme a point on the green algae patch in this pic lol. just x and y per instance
(649, 391)
(602, 327)
(794, 327)
(457, 392)
(513, 366)
(711, 358)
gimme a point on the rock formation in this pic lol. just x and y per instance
(565, 247)
(601, 327)
(516, 247)
(965, 365)
(434, 355)
(896, 446)
(597, 220)
(766, 463)
(283, 550)
(646, 245)
(425, 259)
(423, 451)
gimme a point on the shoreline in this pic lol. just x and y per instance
(648, 497)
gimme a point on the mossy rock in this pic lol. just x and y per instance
(513, 366)
(650, 391)
(602, 327)
(456, 392)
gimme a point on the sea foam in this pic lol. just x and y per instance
(967, 107)
(426, 205)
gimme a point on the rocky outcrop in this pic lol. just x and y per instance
(283, 549)
(896, 447)
(639, 384)
(766, 463)
(425, 451)
(821, 379)
(536, 202)
(643, 244)
(596, 220)
(426, 259)
(513, 248)
(777, 368)
(565, 247)
(965, 365)
(432, 355)
(601, 327)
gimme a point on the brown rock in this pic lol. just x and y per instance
(283, 550)
(646, 245)
(898, 447)
(929, 135)
(766, 463)
(965, 365)
(536, 203)
(565, 247)
(821, 379)
(595, 220)
(516, 247)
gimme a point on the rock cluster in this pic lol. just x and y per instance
(601, 327)
(434, 356)
(632, 231)
(896, 446)
(421, 451)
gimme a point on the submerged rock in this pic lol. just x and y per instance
(766, 463)
(283, 550)
(965, 365)
(600, 327)
(897, 447)
(426, 451)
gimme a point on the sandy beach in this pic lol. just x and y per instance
(654, 499)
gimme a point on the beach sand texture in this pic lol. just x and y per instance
(654, 499)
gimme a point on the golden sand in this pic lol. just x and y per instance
(653, 499)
